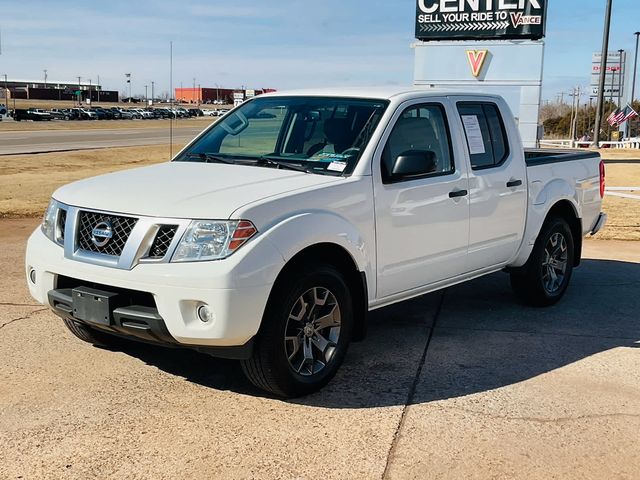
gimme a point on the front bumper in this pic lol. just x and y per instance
(236, 289)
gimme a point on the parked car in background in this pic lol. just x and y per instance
(33, 114)
(195, 112)
(60, 114)
(209, 112)
(126, 114)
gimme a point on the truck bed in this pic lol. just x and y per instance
(540, 156)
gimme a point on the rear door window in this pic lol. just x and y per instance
(485, 133)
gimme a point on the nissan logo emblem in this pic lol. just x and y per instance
(101, 234)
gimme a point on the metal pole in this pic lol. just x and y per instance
(603, 70)
(152, 96)
(620, 79)
(146, 97)
(45, 78)
(171, 100)
(89, 91)
(633, 84)
(79, 94)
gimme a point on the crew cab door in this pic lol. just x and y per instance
(422, 209)
(497, 183)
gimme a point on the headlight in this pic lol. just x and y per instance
(49, 220)
(212, 240)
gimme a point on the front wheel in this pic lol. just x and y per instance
(546, 276)
(305, 332)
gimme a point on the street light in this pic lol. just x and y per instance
(45, 78)
(603, 70)
(146, 98)
(152, 95)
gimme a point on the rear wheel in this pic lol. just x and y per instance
(545, 278)
(89, 335)
(305, 332)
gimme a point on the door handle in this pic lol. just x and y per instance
(458, 193)
(514, 183)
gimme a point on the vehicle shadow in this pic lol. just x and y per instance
(482, 340)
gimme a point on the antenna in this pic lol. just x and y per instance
(171, 99)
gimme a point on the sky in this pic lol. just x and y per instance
(257, 44)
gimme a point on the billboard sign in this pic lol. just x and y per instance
(480, 19)
(614, 78)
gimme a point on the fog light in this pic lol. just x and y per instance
(205, 314)
(32, 275)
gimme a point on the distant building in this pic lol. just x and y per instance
(210, 95)
(57, 90)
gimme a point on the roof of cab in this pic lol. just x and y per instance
(384, 93)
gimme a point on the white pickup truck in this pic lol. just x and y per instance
(271, 235)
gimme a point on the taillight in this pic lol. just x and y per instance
(602, 181)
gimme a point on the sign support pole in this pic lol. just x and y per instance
(603, 70)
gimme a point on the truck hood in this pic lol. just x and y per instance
(185, 189)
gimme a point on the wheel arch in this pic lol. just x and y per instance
(565, 209)
(339, 258)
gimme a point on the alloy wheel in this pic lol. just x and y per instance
(312, 331)
(554, 264)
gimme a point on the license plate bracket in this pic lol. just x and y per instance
(93, 305)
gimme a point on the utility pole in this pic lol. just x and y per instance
(603, 71)
(90, 92)
(152, 95)
(199, 95)
(128, 77)
(79, 94)
(633, 84)
(45, 78)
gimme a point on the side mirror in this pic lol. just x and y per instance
(413, 163)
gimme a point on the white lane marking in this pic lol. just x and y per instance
(624, 195)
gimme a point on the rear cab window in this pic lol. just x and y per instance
(485, 133)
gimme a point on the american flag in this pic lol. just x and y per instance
(626, 114)
(612, 119)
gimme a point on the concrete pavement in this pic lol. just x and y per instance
(38, 141)
(460, 384)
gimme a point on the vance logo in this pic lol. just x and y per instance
(476, 60)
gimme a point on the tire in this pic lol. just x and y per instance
(90, 335)
(543, 281)
(293, 354)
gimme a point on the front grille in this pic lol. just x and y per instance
(121, 229)
(162, 241)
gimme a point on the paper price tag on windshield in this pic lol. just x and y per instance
(474, 134)
(337, 166)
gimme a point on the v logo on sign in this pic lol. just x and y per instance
(476, 60)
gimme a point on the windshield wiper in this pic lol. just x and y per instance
(211, 158)
(283, 164)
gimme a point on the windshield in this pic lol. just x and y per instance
(320, 135)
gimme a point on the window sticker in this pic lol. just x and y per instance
(337, 166)
(474, 134)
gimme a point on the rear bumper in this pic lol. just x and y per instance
(236, 290)
(600, 223)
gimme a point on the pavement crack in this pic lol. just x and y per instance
(493, 416)
(11, 304)
(29, 315)
(412, 389)
(551, 334)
